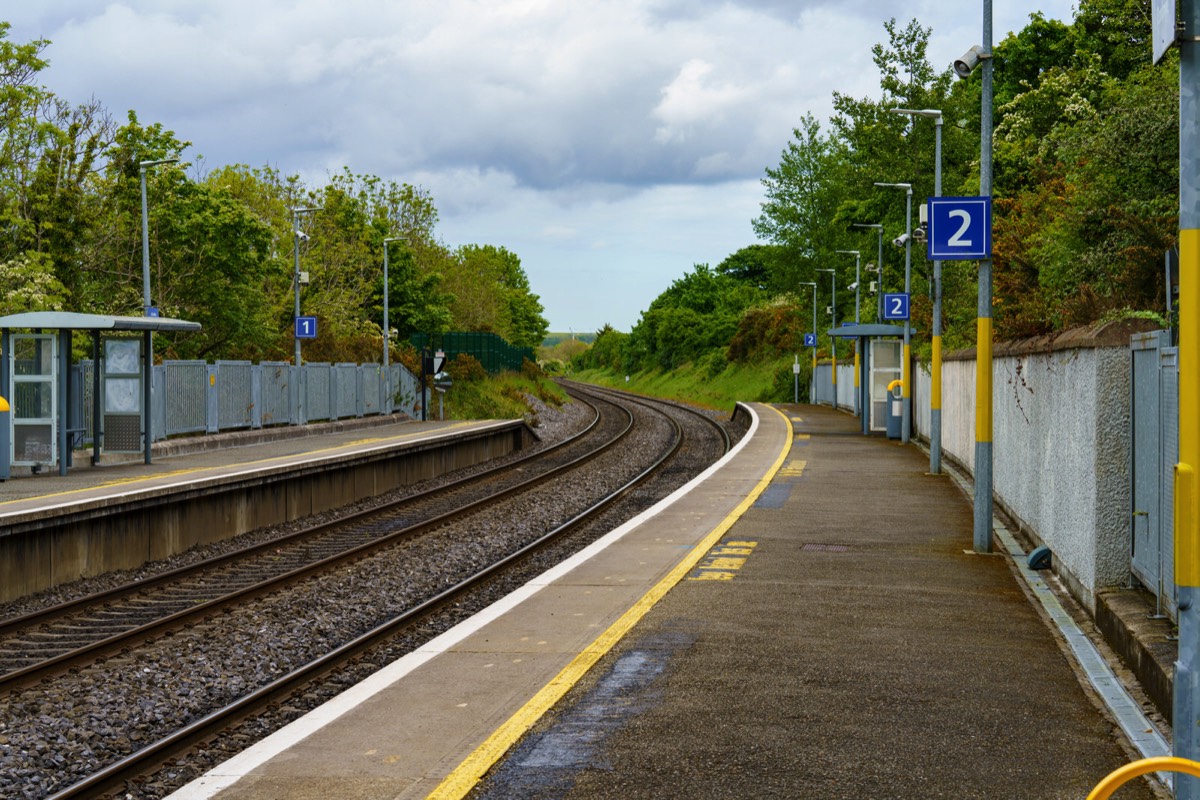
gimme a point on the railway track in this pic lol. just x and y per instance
(64, 636)
(443, 595)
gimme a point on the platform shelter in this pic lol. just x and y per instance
(880, 364)
(35, 369)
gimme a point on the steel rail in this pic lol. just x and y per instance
(154, 755)
(123, 640)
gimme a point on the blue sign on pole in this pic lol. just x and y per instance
(810, 340)
(895, 306)
(306, 327)
(960, 228)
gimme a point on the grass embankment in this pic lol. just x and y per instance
(502, 396)
(769, 381)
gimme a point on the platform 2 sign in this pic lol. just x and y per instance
(960, 228)
(895, 306)
(810, 340)
(306, 327)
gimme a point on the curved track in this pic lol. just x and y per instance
(445, 597)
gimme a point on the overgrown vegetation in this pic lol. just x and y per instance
(1086, 198)
(510, 395)
(221, 239)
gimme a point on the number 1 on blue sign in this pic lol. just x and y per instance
(306, 327)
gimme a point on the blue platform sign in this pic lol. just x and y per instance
(306, 327)
(810, 340)
(960, 228)
(895, 306)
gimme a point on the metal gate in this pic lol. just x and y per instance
(1154, 450)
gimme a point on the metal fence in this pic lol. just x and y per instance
(190, 397)
(489, 349)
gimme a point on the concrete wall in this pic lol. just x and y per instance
(40, 549)
(1061, 444)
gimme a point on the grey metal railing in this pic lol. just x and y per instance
(189, 397)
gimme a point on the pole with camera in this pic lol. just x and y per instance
(963, 67)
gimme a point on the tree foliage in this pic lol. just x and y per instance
(225, 244)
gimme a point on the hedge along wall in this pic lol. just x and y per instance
(1061, 443)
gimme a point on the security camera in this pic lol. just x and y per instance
(964, 66)
(829, 311)
(919, 235)
(870, 267)
(900, 240)
(853, 286)
(301, 235)
(874, 287)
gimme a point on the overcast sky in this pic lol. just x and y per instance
(611, 144)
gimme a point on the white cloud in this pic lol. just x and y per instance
(616, 142)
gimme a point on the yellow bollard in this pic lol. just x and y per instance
(1120, 777)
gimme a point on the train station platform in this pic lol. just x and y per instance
(805, 620)
(120, 514)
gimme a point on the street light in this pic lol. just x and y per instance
(832, 325)
(878, 226)
(142, 167)
(858, 404)
(387, 375)
(905, 379)
(148, 339)
(935, 378)
(298, 235)
(813, 284)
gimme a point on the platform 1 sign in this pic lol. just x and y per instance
(895, 306)
(306, 327)
(960, 228)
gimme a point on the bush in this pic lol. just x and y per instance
(465, 368)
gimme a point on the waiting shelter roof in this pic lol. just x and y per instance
(70, 320)
(847, 331)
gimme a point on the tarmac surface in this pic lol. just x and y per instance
(855, 648)
(216, 452)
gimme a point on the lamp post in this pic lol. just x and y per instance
(813, 284)
(148, 337)
(878, 226)
(297, 235)
(142, 167)
(935, 377)
(387, 374)
(981, 54)
(832, 325)
(858, 404)
(1186, 721)
(906, 380)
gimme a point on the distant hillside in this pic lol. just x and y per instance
(555, 338)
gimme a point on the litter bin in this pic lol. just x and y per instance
(894, 409)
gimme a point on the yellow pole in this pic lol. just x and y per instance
(1187, 529)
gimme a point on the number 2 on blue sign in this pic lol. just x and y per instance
(895, 306)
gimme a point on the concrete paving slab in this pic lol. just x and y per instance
(859, 651)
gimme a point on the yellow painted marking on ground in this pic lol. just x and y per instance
(803, 437)
(464, 777)
(793, 469)
(195, 470)
(711, 575)
(725, 563)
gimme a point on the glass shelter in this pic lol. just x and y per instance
(35, 382)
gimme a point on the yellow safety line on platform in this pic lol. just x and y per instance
(240, 464)
(464, 777)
